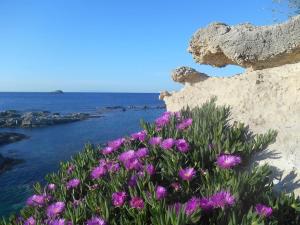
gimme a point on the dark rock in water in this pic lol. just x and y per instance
(9, 137)
(161, 107)
(13, 119)
(8, 163)
(122, 108)
(131, 107)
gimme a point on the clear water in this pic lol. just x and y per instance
(50, 145)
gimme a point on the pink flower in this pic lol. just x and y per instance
(55, 209)
(112, 146)
(130, 159)
(59, 222)
(51, 187)
(163, 120)
(70, 169)
(142, 152)
(132, 181)
(36, 200)
(141, 136)
(167, 144)
(182, 145)
(116, 143)
(98, 172)
(227, 161)
(133, 164)
(187, 174)
(192, 205)
(263, 210)
(161, 192)
(155, 141)
(137, 203)
(73, 183)
(185, 124)
(221, 199)
(113, 167)
(167, 114)
(103, 162)
(30, 221)
(125, 156)
(118, 198)
(206, 204)
(108, 150)
(150, 169)
(141, 173)
(218, 200)
(177, 115)
(96, 221)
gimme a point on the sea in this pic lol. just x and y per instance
(48, 146)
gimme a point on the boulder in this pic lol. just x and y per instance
(164, 94)
(188, 75)
(247, 45)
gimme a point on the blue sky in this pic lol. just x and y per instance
(109, 46)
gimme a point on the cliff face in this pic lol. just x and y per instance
(268, 98)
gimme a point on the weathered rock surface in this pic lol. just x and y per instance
(163, 94)
(12, 118)
(246, 45)
(10, 137)
(187, 75)
(263, 99)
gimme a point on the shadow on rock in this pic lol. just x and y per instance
(286, 183)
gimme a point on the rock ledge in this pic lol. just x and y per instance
(246, 45)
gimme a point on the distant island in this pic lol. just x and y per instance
(57, 92)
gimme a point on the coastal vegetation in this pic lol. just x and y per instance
(189, 167)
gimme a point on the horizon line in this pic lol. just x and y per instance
(108, 92)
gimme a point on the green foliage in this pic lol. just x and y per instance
(210, 134)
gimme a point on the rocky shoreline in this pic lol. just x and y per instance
(15, 119)
(131, 107)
